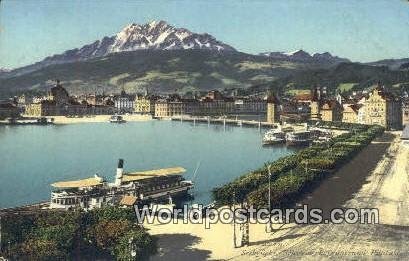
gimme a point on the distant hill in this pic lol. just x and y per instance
(393, 64)
(361, 74)
(157, 71)
(196, 70)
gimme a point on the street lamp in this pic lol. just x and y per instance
(234, 219)
(269, 226)
(132, 248)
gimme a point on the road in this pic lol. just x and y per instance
(385, 188)
(376, 178)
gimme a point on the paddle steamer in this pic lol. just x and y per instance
(128, 189)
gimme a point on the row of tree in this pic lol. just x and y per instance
(292, 174)
(105, 233)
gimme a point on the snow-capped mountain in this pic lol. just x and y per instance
(303, 56)
(156, 35)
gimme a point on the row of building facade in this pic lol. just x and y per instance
(376, 107)
(379, 106)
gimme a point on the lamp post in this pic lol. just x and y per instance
(234, 220)
(132, 248)
(269, 227)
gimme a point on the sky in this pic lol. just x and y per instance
(361, 30)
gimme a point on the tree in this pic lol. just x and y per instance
(38, 249)
(106, 233)
(135, 245)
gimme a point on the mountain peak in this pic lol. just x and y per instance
(159, 35)
(297, 52)
(155, 35)
(154, 23)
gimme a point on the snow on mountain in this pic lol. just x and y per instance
(162, 36)
(303, 56)
(156, 35)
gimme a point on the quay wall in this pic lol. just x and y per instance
(98, 118)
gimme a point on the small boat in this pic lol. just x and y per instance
(287, 129)
(321, 135)
(298, 138)
(272, 137)
(117, 119)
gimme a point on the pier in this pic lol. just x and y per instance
(224, 121)
(26, 209)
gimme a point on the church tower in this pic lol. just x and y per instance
(315, 104)
(273, 113)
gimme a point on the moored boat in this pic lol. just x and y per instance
(131, 188)
(298, 138)
(117, 119)
(272, 137)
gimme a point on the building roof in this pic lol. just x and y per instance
(314, 95)
(331, 104)
(384, 93)
(356, 107)
(272, 98)
(89, 182)
(303, 97)
(134, 176)
(128, 200)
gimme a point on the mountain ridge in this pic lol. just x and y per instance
(303, 56)
(156, 35)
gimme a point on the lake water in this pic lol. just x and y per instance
(32, 157)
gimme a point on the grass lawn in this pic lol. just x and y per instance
(297, 92)
(344, 87)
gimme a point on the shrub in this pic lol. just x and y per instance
(135, 245)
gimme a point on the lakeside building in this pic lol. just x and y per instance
(325, 108)
(95, 99)
(8, 110)
(351, 114)
(383, 108)
(273, 108)
(124, 103)
(145, 104)
(59, 103)
(292, 111)
(168, 107)
(209, 106)
(250, 105)
(331, 110)
(214, 103)
(315, 105)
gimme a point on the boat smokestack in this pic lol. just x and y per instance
(119, 173)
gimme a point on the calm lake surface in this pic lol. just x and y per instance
(32, 157)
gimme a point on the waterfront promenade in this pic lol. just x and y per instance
(224, 121)
(98, 118)
(376, 178)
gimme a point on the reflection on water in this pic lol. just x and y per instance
(35, 156)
